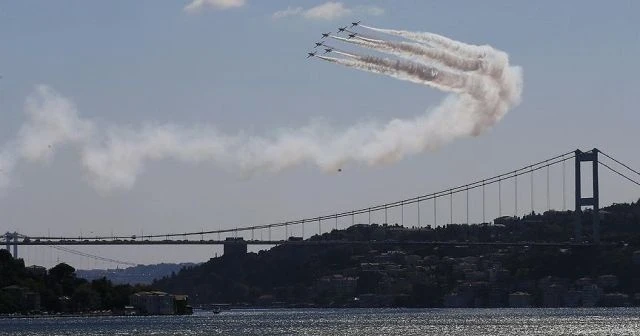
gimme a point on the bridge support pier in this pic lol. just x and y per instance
(15, 246)
(594, 201)
(9, 237)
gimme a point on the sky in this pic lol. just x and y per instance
(127, 69)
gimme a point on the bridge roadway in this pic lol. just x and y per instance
(89, 242)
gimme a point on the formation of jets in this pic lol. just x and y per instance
(325, 35)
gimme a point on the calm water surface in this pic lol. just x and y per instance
(405, 322)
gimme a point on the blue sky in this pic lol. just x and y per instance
(233, 65)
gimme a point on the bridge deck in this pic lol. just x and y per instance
(299, 243)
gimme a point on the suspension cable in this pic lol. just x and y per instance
(619, 173)
(620, 163)
(462, 188)
(95, 257)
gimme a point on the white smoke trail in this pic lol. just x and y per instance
(495, 93)
(413, 50)
(460, 48)
(492, 61)
(360, 37)
(339, 51)
(363, 36)
(344, 53)
(412, 72)
(115, 156)
(53, 121)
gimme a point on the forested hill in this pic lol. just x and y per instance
(57, 289)
(411, 276)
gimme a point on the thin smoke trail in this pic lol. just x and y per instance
(344, 53)
(363, 36)
(338, 51)
(438, 40)
(360, 37)
(407, 50)
(406, 71)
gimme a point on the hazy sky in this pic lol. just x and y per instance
(238, 66)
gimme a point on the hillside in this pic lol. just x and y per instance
(362, 275)
(34, 289)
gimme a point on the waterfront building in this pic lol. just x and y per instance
(160, 303)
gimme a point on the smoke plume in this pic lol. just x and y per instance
(416, 51)
(460, 48)
(407, 71)
(114, 156)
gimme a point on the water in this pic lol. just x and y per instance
(405, 322)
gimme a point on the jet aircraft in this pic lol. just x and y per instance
(325, 35)
(319, 44)
(353, 24)
(341, 29)
(311, 54)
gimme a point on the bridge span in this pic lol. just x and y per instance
(505, 185)
(304, 243)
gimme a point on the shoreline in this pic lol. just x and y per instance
(77, 315)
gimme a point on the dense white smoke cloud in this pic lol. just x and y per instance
(53, 121)
(487, 86)
(115, 156)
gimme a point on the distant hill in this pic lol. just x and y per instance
(141, 274)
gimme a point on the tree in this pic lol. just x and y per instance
(85, 298)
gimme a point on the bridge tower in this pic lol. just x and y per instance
(7, 238)
(12, 237)
(15, 245)
(594, 201)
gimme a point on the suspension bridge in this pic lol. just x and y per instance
(507, 185)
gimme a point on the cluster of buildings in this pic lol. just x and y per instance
(583, 292)
(384, 279)
(482, 281)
